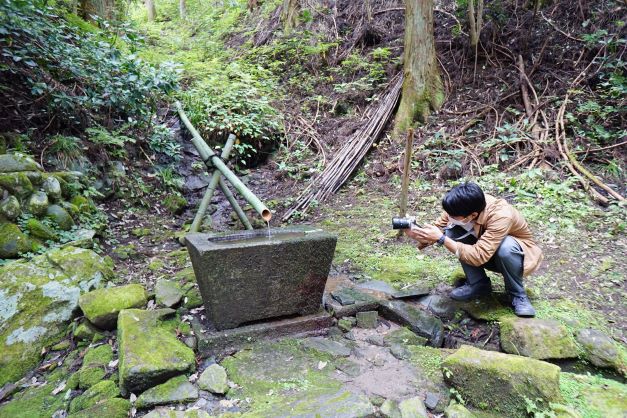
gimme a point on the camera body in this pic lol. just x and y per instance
(406, 222)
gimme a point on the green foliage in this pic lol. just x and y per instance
(66, 148)
(162, 141)
(73, 75)
(112, 141)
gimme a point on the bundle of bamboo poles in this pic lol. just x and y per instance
(352, 153)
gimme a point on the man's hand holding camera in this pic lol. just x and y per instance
(427, 235)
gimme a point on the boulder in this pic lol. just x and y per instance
(102, 306)
(86, 331)
(38, 203)
(442, 306)
(176, 390)
(17, 162)
(537, 338)
(149, 351)
(52, 187)
(102, 390)
(600, 350)
(108, 408)
(17, 184)
(10, 208)
(13, 241)
(94, 367)
(501, 382)
(213, 379)
(168, 293)
(367, 319)
(389, 409)
(456, 410)
(83, 238)
(412, 408)
(38, 229)
(417, 320)
(60, 216)
(38, 298)
(404, 336)
(164, 412)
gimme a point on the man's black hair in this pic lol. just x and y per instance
(464, 199)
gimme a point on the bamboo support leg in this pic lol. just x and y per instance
(236, 207)
(211, 188)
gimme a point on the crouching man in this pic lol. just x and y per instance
(484, 232)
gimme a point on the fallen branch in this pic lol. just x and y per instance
(352, 153)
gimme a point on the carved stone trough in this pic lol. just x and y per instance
(255, 275)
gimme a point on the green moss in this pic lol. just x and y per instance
(593, 396)
(34, 402)
(98, 356)
(37, 229)
(123, 252)
(102, 306)
(13, 241)
(428, 359)
(108, 408)
(18, 184)
(83, 204)
(155, 264)
(86, 331)
(89, 376)
(175, 203)
(105, 389)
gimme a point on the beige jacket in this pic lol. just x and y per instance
(498, 220)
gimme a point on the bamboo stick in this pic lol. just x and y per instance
(236, 207)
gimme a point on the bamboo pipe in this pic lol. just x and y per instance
(210, 158)
(211, 188)
(236, 207)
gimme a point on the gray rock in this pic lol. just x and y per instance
(378, 286)
(412, 291)
(18, 184)
(38, 203)
(13, 241)
(412, 408)
(367, 319)
(421, 322)
(350, 336)
(60, 216)
(342, 404)
(537, 338)
(17, 162)
(390, 409)
(432, 400)
(442, 306)
(175, 390)
(10, 208)
(345, 325)
(400, 352)
(404, 336)
(349, 367)
(52, 188)
(376, 340)
(599, 349)
(164, 412)
(343, 297)
(168, 293)
(102, 306)
(83, 238)
(213, 379)
(327, 346)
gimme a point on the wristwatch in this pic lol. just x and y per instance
(441, 240)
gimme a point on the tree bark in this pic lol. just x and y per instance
(289, 15)
(152, 10)
(475, 21)
(182, 9)
(422, 86)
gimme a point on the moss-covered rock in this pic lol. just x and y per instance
(192, 298)
(537, 338)
(10, 208)
(102, 390)
(594, 396)
(38, 298)
(456, 410)
(168, 293)
(175, 204)
(404, 336)
(94, 366)
(52, 187)
(40, 230)
(13, 241)
(102, 306)
(17, 162)
(412, 408)
(17, 184)
(38, 203)
(175, 390)
(213, 379)
(83, 204)
(148, 350)
(60, 216)
(35, 402)
(169, 413)
(600, 350)
(108, 408)
(86, 331)
(501, 382)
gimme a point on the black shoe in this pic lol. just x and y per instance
(469, 291)
(522, 306)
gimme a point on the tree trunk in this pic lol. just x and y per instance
(182, 9)
(152, 10)
(475, 21)
(289, 15)
(101, 8)
(422, 86)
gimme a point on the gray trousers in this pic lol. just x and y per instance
(507, 260)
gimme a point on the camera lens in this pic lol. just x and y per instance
(401, 223)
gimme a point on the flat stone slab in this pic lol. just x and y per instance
(537, 338)
(361, 302)
(168, 293)
(149, 352)
(175, 390)
(218, 342)
(412, 292)
(377, 286)
(442, 306)
(102, 306)
(421, 322)
(501, 382)
(325, 345)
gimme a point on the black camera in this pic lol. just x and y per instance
(404, 223)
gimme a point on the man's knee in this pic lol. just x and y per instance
(508, 247)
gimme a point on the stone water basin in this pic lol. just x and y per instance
(249, 276)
